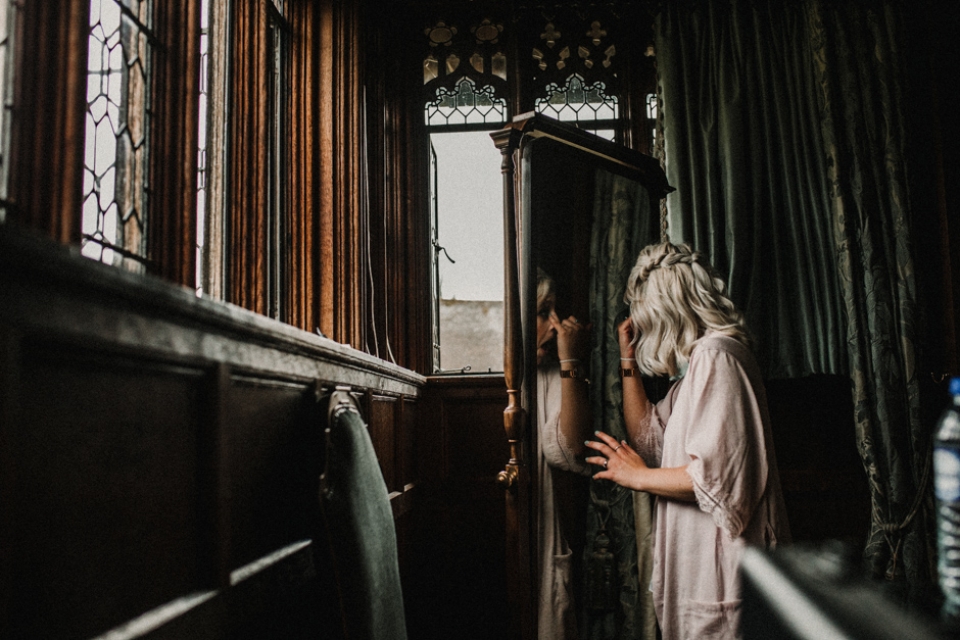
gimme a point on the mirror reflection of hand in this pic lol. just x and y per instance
(625, 333)
(573, 337)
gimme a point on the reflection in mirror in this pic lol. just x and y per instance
(588, 216)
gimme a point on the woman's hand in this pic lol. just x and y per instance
(625, 338)
(573, 337)
(620, 463)
(625, 467)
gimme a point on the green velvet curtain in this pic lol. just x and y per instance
(743, 149)
(624, 221)
(786, 136)
(859, 51)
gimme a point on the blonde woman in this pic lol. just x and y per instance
(563, 422)
(705, 451)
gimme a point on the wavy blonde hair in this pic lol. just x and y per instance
(546, 288)
(675, 297)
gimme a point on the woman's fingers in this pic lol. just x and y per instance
(572, 336)
(555, 321)
(607, 439)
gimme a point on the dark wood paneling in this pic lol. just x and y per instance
(407, 442)
(460, 521)
(824, 483)
(107, 489)
(275, 464)
(164, 457)
(380, 416)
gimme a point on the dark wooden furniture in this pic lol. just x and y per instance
(522, 248)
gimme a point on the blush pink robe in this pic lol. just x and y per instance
(556, 614)
(715, 421)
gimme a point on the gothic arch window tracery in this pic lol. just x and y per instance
(465, 74)
(574, 66)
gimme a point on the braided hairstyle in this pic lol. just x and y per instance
(675, 297)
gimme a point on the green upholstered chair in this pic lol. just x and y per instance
(360, 527)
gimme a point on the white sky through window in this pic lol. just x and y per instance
(470, 201)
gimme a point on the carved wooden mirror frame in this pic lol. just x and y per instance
(519, 310)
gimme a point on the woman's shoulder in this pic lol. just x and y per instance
(714, 343)
(718, 348)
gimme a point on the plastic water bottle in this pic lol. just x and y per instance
(946, 469)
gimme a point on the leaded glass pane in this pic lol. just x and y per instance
(576, 102)
(499, 63)
(652, 118)
(202, 138)
(115, 184)
(7, 20)
(431, 69)
(466, 105)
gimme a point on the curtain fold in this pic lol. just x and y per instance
(788, 138)
(624, 221)
(858, 49)
(743, 149)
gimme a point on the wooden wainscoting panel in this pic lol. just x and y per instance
(162, 455)
(381, 421)
(459, 525)
(409, 410)
(275, 440)
(107, 489)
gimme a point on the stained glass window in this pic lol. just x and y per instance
(574, 67)
(115, 182)
(587, 106)
(465, 72)
(466, 105)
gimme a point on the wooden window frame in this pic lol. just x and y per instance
(49, 98)
(358, 253)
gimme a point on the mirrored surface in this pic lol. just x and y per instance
(587, 207)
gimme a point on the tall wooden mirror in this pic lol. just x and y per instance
(577, 208)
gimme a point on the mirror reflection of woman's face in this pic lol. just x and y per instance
(545, 331)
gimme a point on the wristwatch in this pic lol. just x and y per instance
(576, 372)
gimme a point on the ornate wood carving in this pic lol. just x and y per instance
(516, 476)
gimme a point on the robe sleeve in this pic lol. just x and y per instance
(725, 439)
(649, 441)
(557, 451)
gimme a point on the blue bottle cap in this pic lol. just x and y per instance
(955, 386)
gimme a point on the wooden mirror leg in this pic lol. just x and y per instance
(515, 477)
